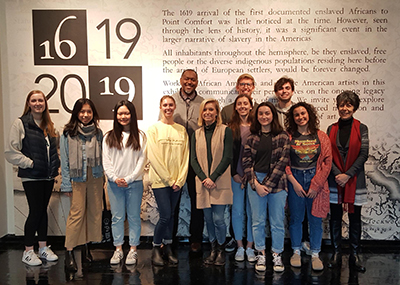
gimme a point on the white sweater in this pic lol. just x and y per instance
(125, 163)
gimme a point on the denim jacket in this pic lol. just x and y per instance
(66, 185)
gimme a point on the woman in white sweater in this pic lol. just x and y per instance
(124, 159)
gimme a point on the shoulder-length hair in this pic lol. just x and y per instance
(71, 128)
(47, 124)
(200, 121)
(114, 137)
(276, 128)
(235, 121)
(313, 120)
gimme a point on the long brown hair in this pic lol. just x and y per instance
(276, 128)
(235, 121)
(114, 137)
(71, 128)
(47, 124)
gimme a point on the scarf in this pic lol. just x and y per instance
(86, 136)
(347, 193)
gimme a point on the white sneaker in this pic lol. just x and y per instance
(117, 257)
(131, 258)
(260, 265)
(239, 256)
(30, 258)
(278, 265)
(251, 257)
(47, 254)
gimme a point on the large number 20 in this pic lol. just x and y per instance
(58, 43)
(62, 89)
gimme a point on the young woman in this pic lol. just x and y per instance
(310, 165)
(240, 126)
(168, 153)
(347, 184)
(124, 159)
(82, 179)
(265, 157)
(211, 156)
(33, 148)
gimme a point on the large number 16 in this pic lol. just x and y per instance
(58, 43)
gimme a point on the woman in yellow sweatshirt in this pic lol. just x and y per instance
(168, 153)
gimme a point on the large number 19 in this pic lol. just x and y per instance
(133, 40)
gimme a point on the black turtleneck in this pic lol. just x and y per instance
(344, 131)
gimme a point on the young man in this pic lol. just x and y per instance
(245, 84)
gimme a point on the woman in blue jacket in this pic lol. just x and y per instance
(82, 179)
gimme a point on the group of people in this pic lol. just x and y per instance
(254, 157)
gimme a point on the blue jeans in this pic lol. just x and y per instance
(126, 201)
(215, 222)
(297, 206)
(274, 203)
(167, 200)
(238, 207)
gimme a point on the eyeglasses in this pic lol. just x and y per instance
(246, 84)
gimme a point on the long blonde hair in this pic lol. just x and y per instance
(200, 122)
(47, 124)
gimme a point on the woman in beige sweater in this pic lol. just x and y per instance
(213, 180)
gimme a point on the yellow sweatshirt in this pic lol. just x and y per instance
(168, 153)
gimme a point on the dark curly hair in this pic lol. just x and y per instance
(313, 120)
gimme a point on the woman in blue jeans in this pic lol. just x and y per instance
(124, 159)
(310, 165)
(168, 153)
(240, 124)
(211, 156)
(265, 157)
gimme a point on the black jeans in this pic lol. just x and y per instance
(38, 194)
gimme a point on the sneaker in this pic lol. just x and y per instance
(251, 257)
(117, 257)
(47, 254)
(231, 245)
(295, 260)
(305, 246)
(317, 264)
(30, 258)
(278, 265)
(260, 265)
(131, 258)
(239, 256)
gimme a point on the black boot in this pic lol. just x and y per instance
(69, 262)
(156, 256)
(336, 239)
(355, 237)
(213, 255)
(220, 260)
(172, 259)
(86, 255)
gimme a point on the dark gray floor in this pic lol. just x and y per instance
(382, 263)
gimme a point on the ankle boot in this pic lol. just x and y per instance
(69, 262)
(156, 256)
(220, 259)
(86, 255)
(355, 237)
(213, 255)
(336, 239)
(172, 259)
